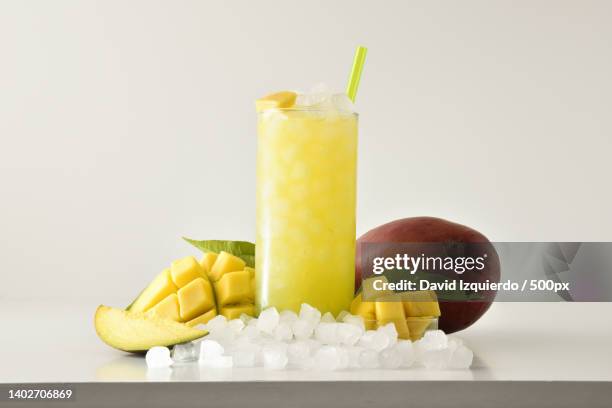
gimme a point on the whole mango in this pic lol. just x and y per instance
(455, 315)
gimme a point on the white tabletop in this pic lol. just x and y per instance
(54, 341)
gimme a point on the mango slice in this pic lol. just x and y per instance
(278, 100)
(225, 263)
(178, 299)
(136, 332)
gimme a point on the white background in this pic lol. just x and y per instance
(125, 125)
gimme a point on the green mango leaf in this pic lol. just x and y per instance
(242, 249)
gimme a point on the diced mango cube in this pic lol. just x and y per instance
(158, 289)
(234, 312)
(225, 263)
(234, 287)
(186, 270)
(208, 260)
(250, 270)
(421, 303)
(195, 298)
(389, 309)
(203, 318)
(167, 308)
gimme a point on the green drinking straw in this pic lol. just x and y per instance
(353, 84)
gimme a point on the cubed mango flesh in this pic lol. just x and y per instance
(184, 293)
(225, 263)
(235, 287)
(172, 296)
(195, 298)
(208, 260)
(185, 270)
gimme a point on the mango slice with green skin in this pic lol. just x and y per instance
(137, 332)
(178, 299)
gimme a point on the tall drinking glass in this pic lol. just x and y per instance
(306, 194)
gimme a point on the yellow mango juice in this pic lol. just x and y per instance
(306, 194)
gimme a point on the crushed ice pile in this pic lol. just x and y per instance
(310, 341)
(322, 98)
